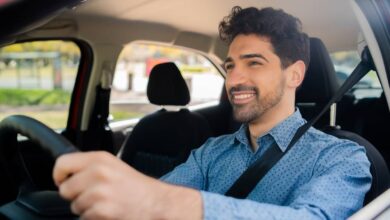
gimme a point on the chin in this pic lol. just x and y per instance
(245, 116)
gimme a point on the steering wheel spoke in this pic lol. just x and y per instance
(33, 203)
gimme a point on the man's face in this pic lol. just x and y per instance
(255, 81)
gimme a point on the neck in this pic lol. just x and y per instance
(267, 121)
(253, 141)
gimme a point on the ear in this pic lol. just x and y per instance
(296, 74)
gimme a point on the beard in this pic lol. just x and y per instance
(249, 112)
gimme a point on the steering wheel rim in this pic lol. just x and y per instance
(47, 139)
(11, 160)
(30, 203)
(42, 136)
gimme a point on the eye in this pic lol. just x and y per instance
(254, 63)
(229, 66)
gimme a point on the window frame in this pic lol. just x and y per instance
(78, 93)
(125, 123)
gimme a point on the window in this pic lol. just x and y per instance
(128, 95)
(36, 79)
(345, 62)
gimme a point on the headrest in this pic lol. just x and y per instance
(166, 86)
(320, 82)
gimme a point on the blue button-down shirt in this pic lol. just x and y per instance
(321, 177)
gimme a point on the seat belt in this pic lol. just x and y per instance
(253, 175)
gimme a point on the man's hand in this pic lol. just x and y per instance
(100, 186)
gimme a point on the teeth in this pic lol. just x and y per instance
(243, 96)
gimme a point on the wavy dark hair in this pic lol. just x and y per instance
(290, 44)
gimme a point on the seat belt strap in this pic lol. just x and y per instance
(253, 175)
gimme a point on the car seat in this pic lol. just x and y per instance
(319, 86)
(162, 140)
(371, 119)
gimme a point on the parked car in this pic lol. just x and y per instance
(82, 68)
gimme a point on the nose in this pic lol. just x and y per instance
(235, 76)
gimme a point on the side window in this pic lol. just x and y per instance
(128, 95)
(37, 78)
(345, 62)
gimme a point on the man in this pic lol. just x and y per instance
(321, 177)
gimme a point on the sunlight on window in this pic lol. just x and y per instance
(37, 78)
(345, 62)
(128, 98)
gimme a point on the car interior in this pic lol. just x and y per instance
(158, 155)
(173, 116)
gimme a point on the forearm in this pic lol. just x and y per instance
(178, 202)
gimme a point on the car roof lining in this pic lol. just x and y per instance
(152, 20)
(203, 16)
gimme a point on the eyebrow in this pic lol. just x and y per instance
(247, 56)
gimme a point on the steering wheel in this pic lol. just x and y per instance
(29, 204)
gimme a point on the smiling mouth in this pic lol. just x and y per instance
(241, 95)
(242, 98)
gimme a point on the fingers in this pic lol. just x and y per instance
(88, 199)
(94, 181)
(99, 211)
(72, 163)
(98, 203)
(77, 172)
(77, 183)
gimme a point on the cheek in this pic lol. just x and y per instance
(262, 83)
(267, 84)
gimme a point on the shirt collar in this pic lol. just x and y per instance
(282, 133)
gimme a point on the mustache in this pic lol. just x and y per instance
(243, 88)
